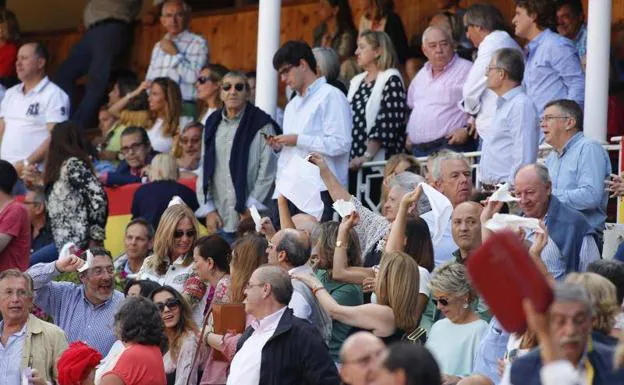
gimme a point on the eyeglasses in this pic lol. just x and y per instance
(490, 68)
(548, 118)
(100, 270)
(441, 301)
(20, 293)
(285, 70)
(171, 303)
(189, 140)
(249, 285)
(133, 147)
(180, 233)
(205, 79)
(365, 360)
(238, 87)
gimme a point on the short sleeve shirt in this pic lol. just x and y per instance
(14, 222)
(140, 365)
(26, 117)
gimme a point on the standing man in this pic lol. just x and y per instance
(553, 69)
(514, 141)
(107, 38)
(14, 223)
(578, 165)
(180, 54)
(317, 119)
(571, 24)
(138, 244)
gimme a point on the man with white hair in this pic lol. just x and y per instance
(436, 121)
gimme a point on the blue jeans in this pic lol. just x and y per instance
(47, 253)
(229, 237)
(470, 145)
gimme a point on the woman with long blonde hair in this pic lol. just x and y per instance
(165, 105)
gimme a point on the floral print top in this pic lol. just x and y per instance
(77, 206)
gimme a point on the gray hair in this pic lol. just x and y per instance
(163, 167)
(540, 169)
(327, 63)
(569, 108)
(185, 7)
(408, 181)
(281, 284)
(443, 30)
(512, 62)
(296, 245)
(444, 155)
(573, 292)
(485, 16)
(451, 278)
(237, 74)
(192, 124)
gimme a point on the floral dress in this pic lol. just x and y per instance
(77, 205)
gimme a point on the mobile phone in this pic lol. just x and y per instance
(266, 136)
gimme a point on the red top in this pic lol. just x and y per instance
(14, 222)
(140, 365)
(8, 57)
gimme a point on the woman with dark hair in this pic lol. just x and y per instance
(165, 105)
(9, 40)
(336, 29)
(379, 16)
(181, 333)
(140, 287)
(76, 204)
(208, 86)
(139, 326)
(407, 364)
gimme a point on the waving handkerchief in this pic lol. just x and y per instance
(300, 182)
(441, 210)
(66, 251)
(343, 208)
(502, 194)
(513, 222)
(88, 264)
(255, 215)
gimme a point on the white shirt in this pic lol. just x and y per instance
(477, 98)
(26, 117)
(423, 287)
(245, 367)
(322, 120)
(176, 274)
(158, 140)
(300, 307)
(443, 250)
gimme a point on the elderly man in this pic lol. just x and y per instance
(290, 250)
(278, 348)
(485, 29)
(553, 69)
(84, 311)
(138, 244)
(567, 354)
(358, 355)
(578, 165)
(180, 54)
(238, 168)
(26, 340)
(466, 229)
(138, 154)
(514, 141)
(571, 24)
(436, 121)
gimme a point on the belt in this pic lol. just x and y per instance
(429, 145)
(107, 21)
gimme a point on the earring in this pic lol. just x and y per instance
(465, 306)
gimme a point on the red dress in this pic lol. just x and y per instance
(8, 57)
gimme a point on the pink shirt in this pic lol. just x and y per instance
(434, 101)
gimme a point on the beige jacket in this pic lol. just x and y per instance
(43, 346)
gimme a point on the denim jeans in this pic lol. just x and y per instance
(45, 254)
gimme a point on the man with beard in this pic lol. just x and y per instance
(84, 311)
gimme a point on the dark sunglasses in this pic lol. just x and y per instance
(238, 87)
(205, 79)
(443, 302)
(171, 303)
(180, 233)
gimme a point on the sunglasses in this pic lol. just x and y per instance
(205, 79)
(180, 233)
(238, 87)
(171, 303)
(442, 301)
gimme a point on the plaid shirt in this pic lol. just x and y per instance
(184, 67)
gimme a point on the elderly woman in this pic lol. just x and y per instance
(151, 199)
(454, 340)
(327, 65)
(397, 164)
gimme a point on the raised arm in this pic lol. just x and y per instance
(396, 240)
(341, 270)
(335, 189)
(286, 221)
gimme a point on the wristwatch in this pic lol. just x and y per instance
(339, 244)
(368, 155)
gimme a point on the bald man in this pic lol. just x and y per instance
(358, 356)
(466, 229)
(476, 379)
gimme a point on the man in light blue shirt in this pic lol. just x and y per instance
(578, 165)
(553, 68)
(514, 140)
(570, 23)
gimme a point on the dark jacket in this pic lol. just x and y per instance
(294, 355)
(152, 199)
(122, 175)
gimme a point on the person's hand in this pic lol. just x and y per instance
(309, 279)
(266, 228)
(31, 176)
(318, 160)
(615, 186)
(471, 128)
(213, 222)
(448, 379)
(357, 162)
(36, 378)
(168, 46)
(273, 144)
(540, 241)
(491, 208)
(500, 366)
(349, 221)
(69, 264)
(368, 285)
(410, 199)
(288, 140)
(459, 136)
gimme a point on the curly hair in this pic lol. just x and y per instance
(185, 324)
(545, 12)
(138, 321)
(603, 297)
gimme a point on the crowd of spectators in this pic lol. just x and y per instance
(248, 255)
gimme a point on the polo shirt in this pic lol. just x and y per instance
(26, 116)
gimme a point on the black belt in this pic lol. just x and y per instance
(107, 21)
(430, 145)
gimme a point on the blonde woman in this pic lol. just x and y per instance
(165, 105)
(208, 86)
(151, 199)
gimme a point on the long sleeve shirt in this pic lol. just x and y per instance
(578, 175)
(514, 141)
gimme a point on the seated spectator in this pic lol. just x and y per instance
(327, 65)
(407, 364)
(230, 185)
(571, 24)
(138, 241)
(40, 234)
(165, 108)
(139, 287)
(613, 270)
(84, 311)
(379, 16)
(466, 228)
(181, 334)
(394, 166)
(578, 165)
(9, 40)
(358, 355)
(454, 340)
(436, 121)
(76, 203)
(279, 334)
(14, 223)
(30, 110)
(27, 341)
(138, 154)
(187, 150)
(179, 55)
(139, 326)
(208, 86)
(77, 364)
(152, 199)
(106, 124)
(336, 29)
(485, 28)
(515, 140)
(553, 69)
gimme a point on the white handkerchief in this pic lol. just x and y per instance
(176, 200)
(66, 251)
(502, 194)
(255, 215)
(512, 222)
(26, 376)
(343, 208)
(441, 210)
(88, 263)
(300, 182)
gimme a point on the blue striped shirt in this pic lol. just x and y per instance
(11, 357)
(67, 304)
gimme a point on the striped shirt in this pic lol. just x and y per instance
(11, 356)
(556, 263)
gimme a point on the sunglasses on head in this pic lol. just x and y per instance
(171, 303)
(442, 301)
(238, 87)
(205, 79)
(180, 233)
